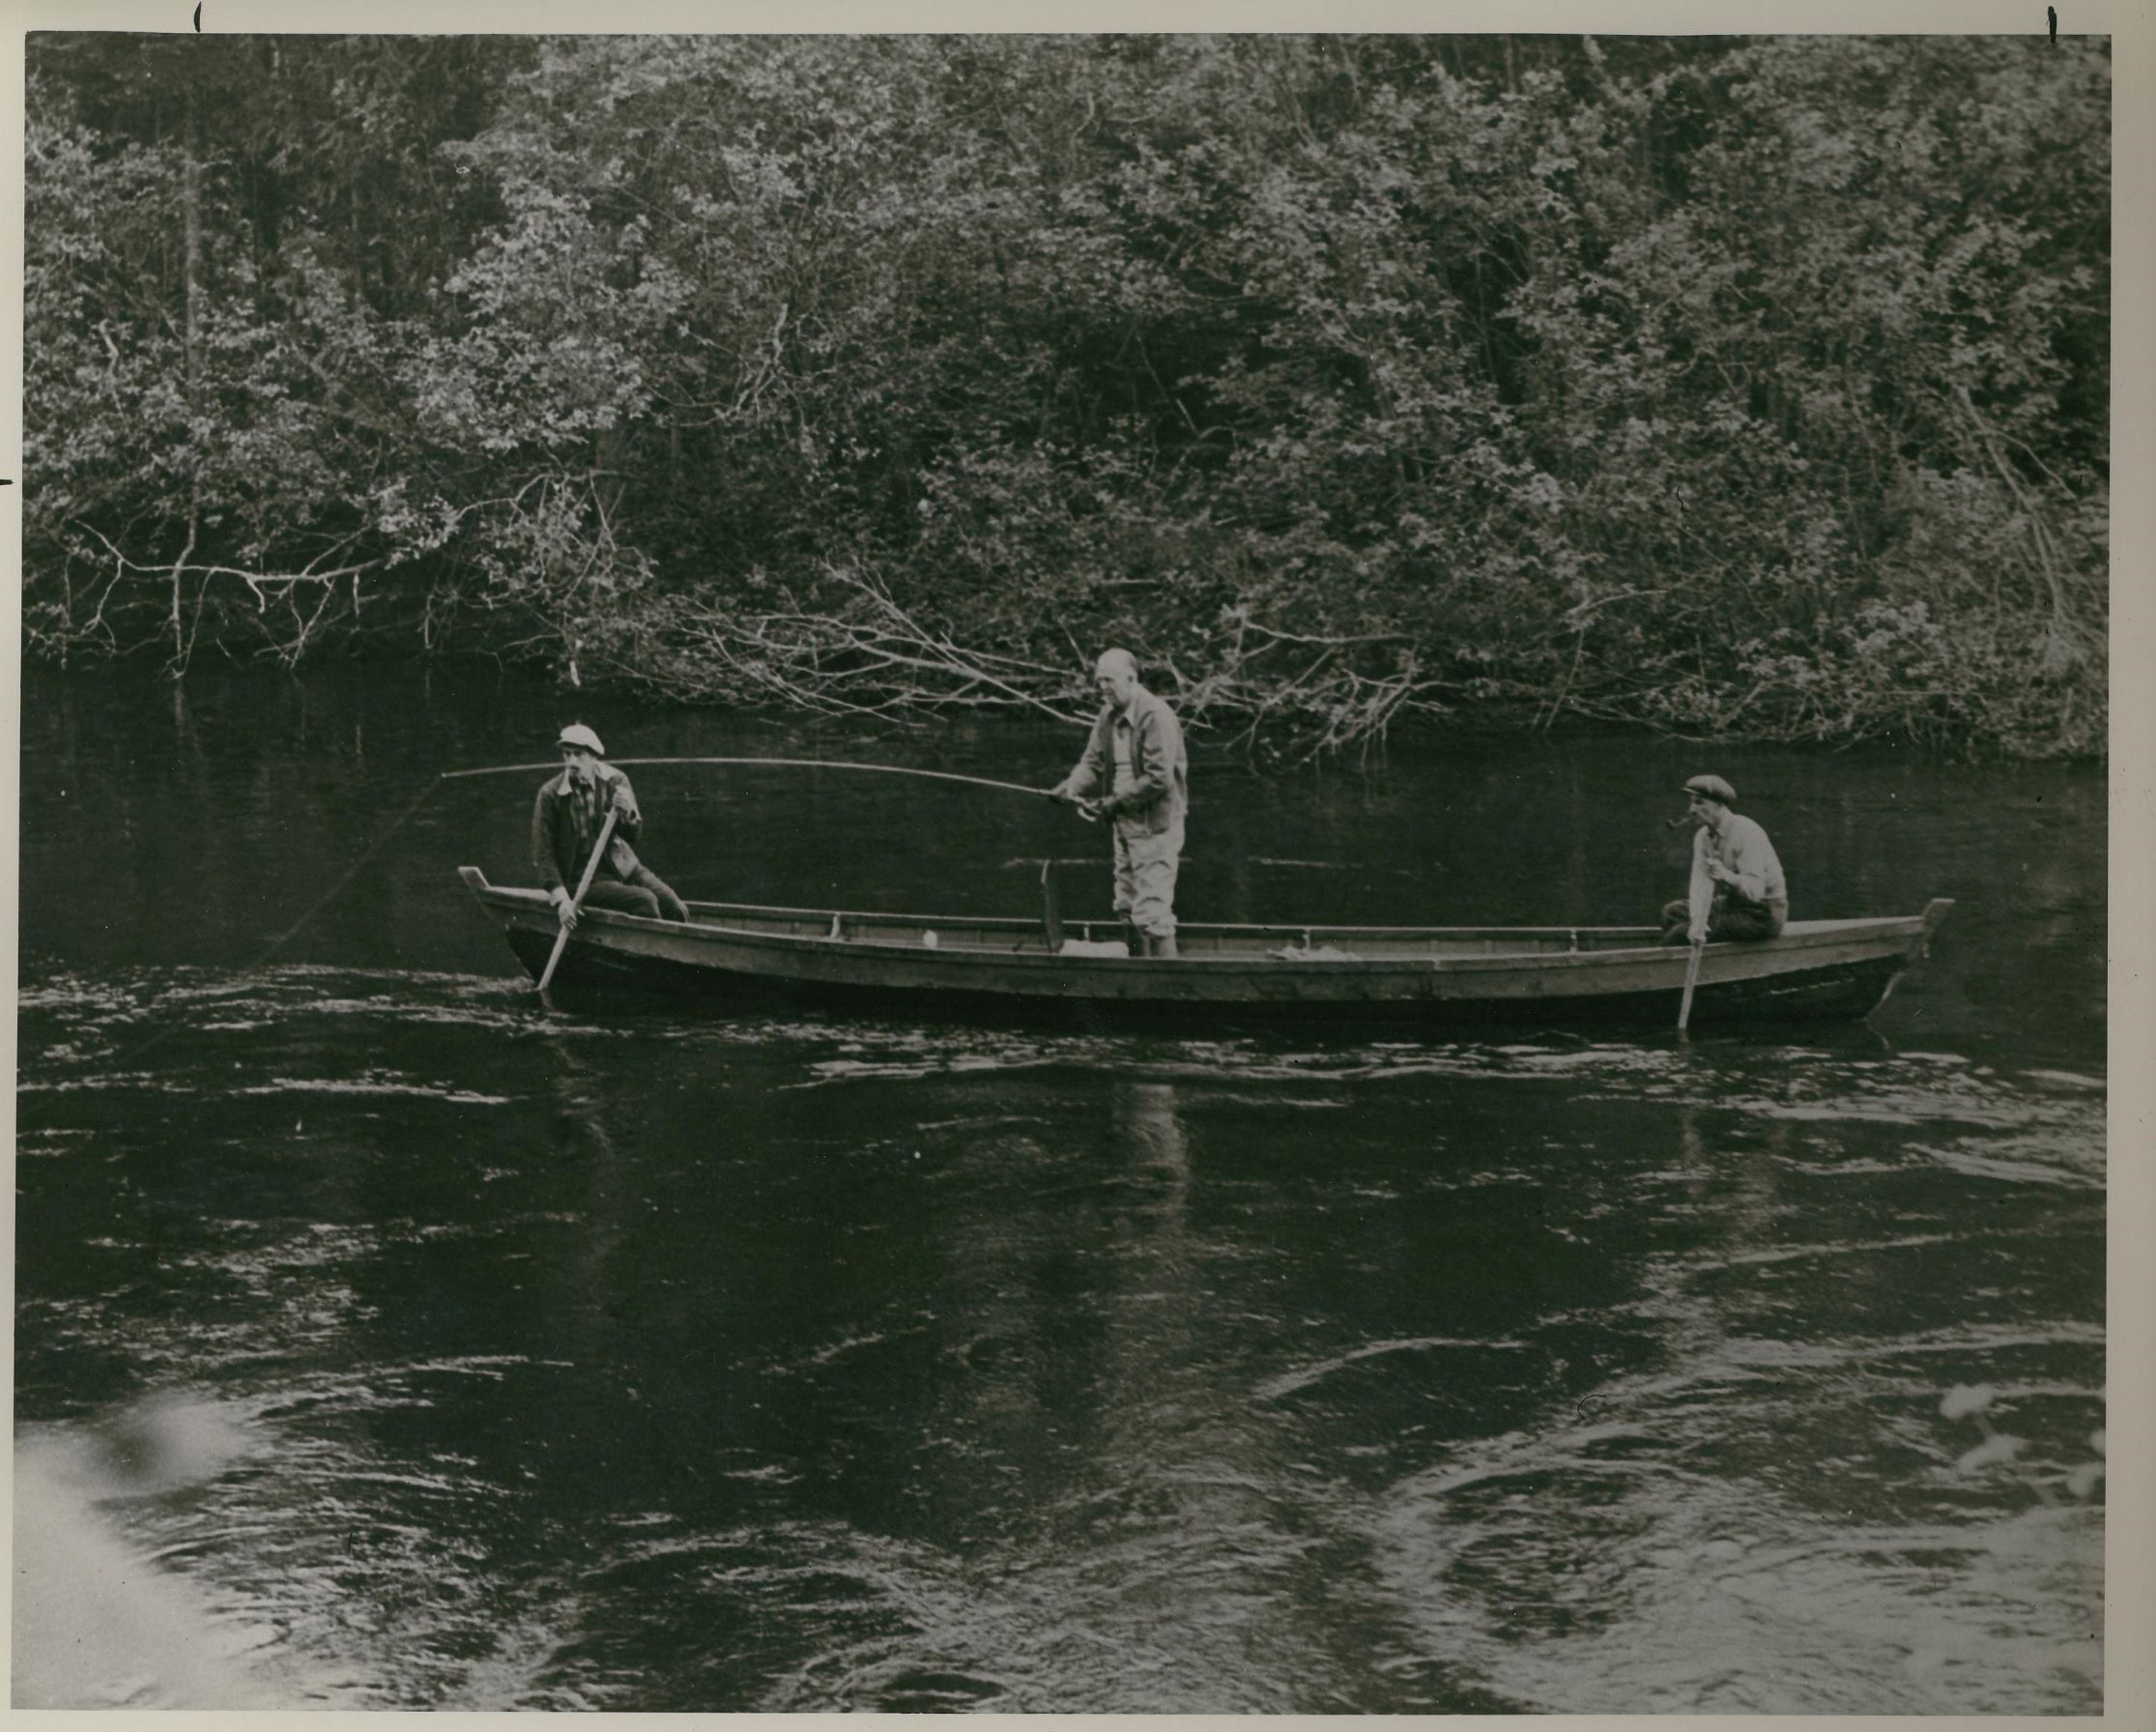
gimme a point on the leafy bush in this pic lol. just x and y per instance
(1753, 387)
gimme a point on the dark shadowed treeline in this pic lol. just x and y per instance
(1752, 388)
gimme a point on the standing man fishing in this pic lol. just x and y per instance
(1737, 890)
(566, 821)
(1136, 754)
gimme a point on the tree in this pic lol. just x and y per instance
(1718, 383)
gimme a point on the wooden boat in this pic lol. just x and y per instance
(1425, 974)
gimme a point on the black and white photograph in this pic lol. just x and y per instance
(1086, 866)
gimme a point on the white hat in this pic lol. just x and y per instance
(576, 734)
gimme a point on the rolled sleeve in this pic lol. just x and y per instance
(1702, 895)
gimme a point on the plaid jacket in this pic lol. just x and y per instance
(565, 821)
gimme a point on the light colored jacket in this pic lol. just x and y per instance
(1743, 847)
(1159, 793)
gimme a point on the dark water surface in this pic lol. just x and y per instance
(444, 1350)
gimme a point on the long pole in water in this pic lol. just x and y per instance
(1691, 980)
(881, 769)
(590, 871)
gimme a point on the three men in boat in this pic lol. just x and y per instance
(565, 822)
(1134, 773)
(1737, 890)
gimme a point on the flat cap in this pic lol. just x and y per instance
(1714, 787)
(577, 735)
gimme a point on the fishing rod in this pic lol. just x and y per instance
(881, 769)
(503, 769)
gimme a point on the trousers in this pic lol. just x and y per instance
(1146, 868)
(1731, 917)
(642, 892)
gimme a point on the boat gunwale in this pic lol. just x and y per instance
(1797, 937)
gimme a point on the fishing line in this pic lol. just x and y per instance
(554, 764)
(322, 901)
(350, 873)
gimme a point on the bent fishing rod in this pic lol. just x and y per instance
(555, 765)
(881, 769)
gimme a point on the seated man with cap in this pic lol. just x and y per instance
(565, 824)
(1737, 890)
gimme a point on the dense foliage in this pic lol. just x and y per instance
(1732, 387)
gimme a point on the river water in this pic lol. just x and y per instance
(386, 1339)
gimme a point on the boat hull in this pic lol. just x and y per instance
(1428, 976)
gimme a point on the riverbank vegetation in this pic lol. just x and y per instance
(1733, 388)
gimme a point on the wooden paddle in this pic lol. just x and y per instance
(1701, 898)
(1051, 914)
(1691, 980)
(590, 871)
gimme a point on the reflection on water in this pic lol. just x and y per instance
(386, 1339)
(698, 1362)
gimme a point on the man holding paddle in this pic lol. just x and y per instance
(587, 803)
(1136, 754)
(1737, 890)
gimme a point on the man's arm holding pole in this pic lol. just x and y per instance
(1703, 888)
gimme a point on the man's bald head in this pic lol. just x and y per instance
(1115, 675)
